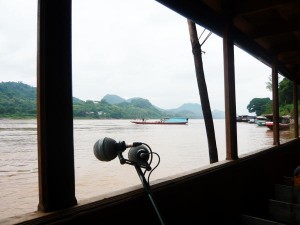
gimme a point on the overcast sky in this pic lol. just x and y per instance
(129, 48)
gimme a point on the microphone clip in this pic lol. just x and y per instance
(129, 162)
(121, 146)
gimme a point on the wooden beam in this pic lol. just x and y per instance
(276, 29)
(230, 102)
(276, 137)
(283, 48)
(296, 110)
(248, 8)
(55, 113)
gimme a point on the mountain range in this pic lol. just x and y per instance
(190, 110)
(18, 100)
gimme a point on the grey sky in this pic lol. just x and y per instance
(129, 48)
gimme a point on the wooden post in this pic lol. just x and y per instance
(230, 102)
(55, 113)
(209, 124)
(276, 137)
(296, 110)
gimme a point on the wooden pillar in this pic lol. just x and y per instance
(230, 102)
(296, 110)
(276, 137)
(55, 113)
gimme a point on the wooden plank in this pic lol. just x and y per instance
(283, 193)
(251, 220)
(280, 211)
(284, 212)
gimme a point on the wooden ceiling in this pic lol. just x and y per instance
(267, 29)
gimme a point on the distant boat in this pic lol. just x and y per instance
(164, 121)
(261, 120)
(242, 118)
(251, 120)
(284, 122)
(245, 118)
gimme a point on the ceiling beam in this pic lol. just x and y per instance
(284, 47)
(275, 30)
(252, 7)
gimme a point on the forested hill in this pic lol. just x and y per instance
(18, 100)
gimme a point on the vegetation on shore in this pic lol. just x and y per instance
(17, 100)
(262, 106)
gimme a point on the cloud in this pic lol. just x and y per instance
(18, 41)
(129, 48)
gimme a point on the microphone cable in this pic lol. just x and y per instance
(148, 180)
(151, 158)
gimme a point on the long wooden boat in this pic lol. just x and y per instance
(282, 126)
(284, 122)
(164, 121)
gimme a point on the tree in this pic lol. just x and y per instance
(285, 91)
(269, 82)
(258, 105)
(208, 120)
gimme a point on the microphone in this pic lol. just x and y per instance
(139, 154)
(106, 149)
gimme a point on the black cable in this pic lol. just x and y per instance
(151, 159)
(151, 156)
(148, 180)
(206, 38)
(201, 34)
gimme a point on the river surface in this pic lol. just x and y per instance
(181, 148)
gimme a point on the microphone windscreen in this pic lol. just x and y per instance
(106, 149)
(139, 154)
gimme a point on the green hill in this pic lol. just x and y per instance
(113, 99)
(192, 110)
(18, 100)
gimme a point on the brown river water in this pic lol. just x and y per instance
(181, 148)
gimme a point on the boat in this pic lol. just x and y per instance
(261, 120)
(251, 120)
(284, 122)
(245, 118)
(242, 118)
(164, 121)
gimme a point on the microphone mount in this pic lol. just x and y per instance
(107, 149)
(130, 162)
(122, 145)
(144, 155)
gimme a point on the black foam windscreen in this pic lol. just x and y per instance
(139, 154)
(106, 149)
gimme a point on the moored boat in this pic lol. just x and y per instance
(261, 120)
(284, 122)
(242, 118)
(164, 121)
